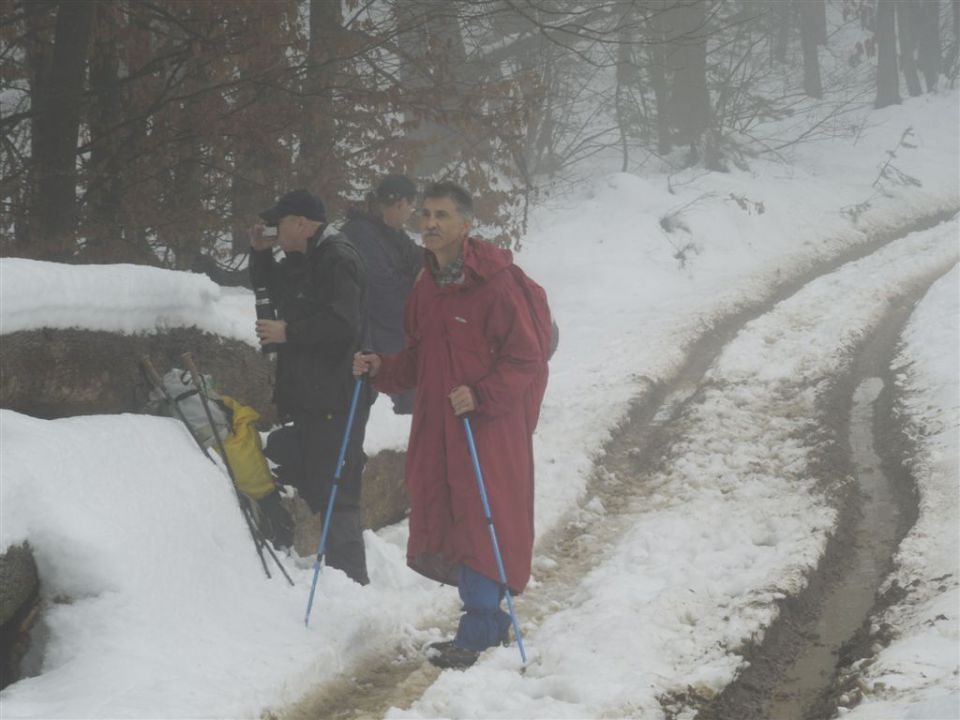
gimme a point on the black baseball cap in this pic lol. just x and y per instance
(395, 187)
(295, 202)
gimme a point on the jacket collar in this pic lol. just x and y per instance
(481, 261)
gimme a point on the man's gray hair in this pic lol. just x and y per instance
(460, 197)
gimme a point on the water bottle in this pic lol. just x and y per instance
(265, 312)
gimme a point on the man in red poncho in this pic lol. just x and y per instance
(472, 346)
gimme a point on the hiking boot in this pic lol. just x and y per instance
(275, 521)
(447, 654)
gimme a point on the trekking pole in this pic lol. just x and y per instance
(261, 542)
(493, 537)
(333, 496)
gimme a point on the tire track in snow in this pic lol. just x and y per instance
(788, 673)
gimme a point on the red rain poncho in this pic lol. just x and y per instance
(478, 333)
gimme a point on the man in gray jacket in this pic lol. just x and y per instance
(393, 260)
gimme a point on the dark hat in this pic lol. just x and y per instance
(295, 202)
(395, 187)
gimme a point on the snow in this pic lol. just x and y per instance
(117, 298)
(143, 534)
(169, 612)
(916, 676)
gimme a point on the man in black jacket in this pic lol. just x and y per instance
(393, 261)
(319, 293)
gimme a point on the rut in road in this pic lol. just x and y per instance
(399, 676)
(790, 675)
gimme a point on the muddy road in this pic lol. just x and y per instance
(789, 673)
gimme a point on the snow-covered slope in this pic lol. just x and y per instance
(170, 615)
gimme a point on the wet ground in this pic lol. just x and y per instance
(792, 674)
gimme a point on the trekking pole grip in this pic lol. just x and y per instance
(191, 366)
(151, 371)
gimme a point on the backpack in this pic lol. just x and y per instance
(548, 335)
(235, 424)
(179, 387)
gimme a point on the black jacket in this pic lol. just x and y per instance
(322, 296)
(393, 261)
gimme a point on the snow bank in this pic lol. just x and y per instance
(120, 298)
(157, 603)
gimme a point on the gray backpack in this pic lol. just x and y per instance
(179, 386)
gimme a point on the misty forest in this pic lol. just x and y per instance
(148, 132)
(635, 323)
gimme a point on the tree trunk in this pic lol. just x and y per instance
(928, 41)
(189, 194)
(40, 21)
(690, 100)
(532, 55)
(317, 167)
(818, 13)
(269, 114)
(436, 65)
(57, 126)
(907, 37)
(954, 56)
(185, 222)
(626, 77)
(782, 24)
(808, 42)
(888, 81)
(657, 49)
(105, 194)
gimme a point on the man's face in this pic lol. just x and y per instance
(397, 214)
(442, 226)
(290, 235)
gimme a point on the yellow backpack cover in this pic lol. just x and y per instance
(245, 451)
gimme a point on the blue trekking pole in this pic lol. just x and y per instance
(493, 537)
(333, 496)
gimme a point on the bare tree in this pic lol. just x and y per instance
(781, 26)
(104, 193)
(888, 82)
(658, 58)
(928, 41)
(907, 30)
(818, 13)
(953, 55)
(810, 35)
(626, 78)
(59, 88)
(689, 97)
(317, 162)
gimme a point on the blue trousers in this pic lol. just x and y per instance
(483, 624)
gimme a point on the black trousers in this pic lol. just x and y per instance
(306, 453)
